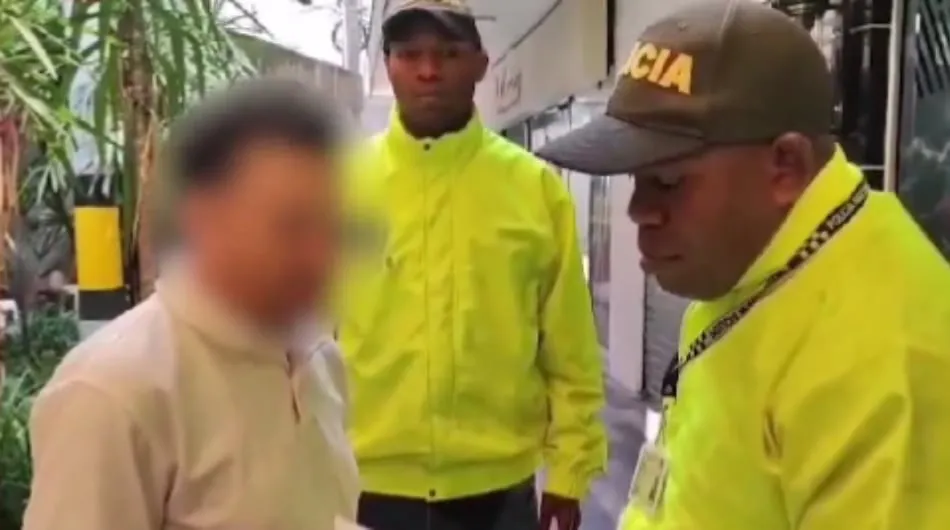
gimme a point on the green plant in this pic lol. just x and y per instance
(39, 345)
(36, 56)
(105, 75)
(15, 465)
(32, 355)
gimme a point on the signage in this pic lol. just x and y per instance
(522, 81)
(507, 89)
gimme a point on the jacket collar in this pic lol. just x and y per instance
(827, 191)
(450, 149)
(191, 303)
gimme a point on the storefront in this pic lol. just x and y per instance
(522, 83)
(531, 103)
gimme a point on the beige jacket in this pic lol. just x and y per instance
(175, 416)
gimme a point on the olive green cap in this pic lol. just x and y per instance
(454, 16)
(717, 73)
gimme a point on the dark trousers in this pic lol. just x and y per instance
(513, 508)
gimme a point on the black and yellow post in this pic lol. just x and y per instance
(102, 291)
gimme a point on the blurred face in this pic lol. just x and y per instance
(271, 228)
(703, 221)
(434, 77)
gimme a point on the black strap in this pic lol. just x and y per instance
(832, 224)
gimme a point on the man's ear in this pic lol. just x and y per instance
(386, 64)
(794, 165)
(482, 66)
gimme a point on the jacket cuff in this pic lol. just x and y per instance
(566, 484)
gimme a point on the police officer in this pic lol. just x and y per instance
(810, 388)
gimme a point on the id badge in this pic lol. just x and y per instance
(649, 479)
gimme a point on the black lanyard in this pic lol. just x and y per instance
(832, 224)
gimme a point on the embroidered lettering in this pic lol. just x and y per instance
(660, 66)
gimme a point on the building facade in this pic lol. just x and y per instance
(344, 86)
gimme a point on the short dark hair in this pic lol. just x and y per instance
(203, 142)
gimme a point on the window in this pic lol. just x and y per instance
(855, 37)
(924, 166)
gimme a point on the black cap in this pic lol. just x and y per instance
(717, 73)
(454, 16)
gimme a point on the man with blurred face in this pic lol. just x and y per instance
(466, 321)
(809, 392)
(215, 403)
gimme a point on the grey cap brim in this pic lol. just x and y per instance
(608, 146)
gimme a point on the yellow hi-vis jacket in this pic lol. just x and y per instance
(828, 406)
(466, 321)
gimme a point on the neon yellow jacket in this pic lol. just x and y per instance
(828, 406)
(466, 321)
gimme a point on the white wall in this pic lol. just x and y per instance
(580, 190)
(625, 357)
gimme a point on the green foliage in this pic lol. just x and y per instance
(79, 76)
(37, 57)
(31, 356)
(39, 346)
(15, 465)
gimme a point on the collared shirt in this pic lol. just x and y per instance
(178, 416)
(826, 407)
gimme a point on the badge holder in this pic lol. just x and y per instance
(649, 479)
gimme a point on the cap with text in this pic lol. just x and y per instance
(721, 72)
(453, 16)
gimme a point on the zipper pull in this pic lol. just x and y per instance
(296, 407)
(289, 370)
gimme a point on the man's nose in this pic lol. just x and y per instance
(644, 209)
(429, 68)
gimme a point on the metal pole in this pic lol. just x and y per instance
(352, 35)
(101, 294)
(895, 74)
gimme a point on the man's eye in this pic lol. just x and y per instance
(668, 182)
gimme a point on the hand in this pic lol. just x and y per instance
(566, 512)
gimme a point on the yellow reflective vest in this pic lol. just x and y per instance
(828, 406)
(466, 321)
